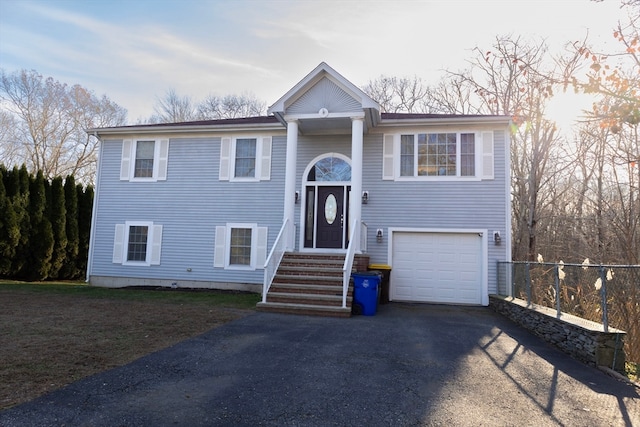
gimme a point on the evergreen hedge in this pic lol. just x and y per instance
(44, 226)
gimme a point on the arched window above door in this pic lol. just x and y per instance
(330, 169)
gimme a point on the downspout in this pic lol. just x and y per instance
(93, 209)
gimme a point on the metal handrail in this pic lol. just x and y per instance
(348, 262)
(275, 257)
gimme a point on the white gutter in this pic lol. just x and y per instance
(502, 120)
(177, 129)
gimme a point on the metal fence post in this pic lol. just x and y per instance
(512, 275)
(603, 295)
(528, 283)
(557, 283)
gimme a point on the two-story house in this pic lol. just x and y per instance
(217, 204)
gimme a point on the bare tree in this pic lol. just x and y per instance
(230, 107)
(453, 96)
(512, 78)
(49, 120)
(10, 148)
(400, 94)
(173, 108)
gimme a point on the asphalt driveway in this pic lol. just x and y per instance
(408, 365)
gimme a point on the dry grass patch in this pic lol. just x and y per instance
(54, 334)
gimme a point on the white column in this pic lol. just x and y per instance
(355, 212)
(290, 180)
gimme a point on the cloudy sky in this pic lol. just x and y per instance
(134, 51)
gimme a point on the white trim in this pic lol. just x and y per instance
(118, 244)
(219, 246)
(303, 201)
(94, 216)
(487, 155)
(263, 160)
(160, 159)
(163, 160)
(232, 160)
(259, 238)
(347, 115)
(225, 159)
(481, 232)
(321, 71)
(507, 198)
(478, 156)
(153, 243)
(388, 155)
(125, 160)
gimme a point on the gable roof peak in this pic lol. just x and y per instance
(320, 72)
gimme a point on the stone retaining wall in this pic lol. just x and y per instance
(580, 338)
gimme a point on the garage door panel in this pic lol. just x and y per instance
(437, 267)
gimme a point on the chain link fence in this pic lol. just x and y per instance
(607, 294)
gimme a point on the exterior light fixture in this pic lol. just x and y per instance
(497, 239)
(365, 197)
(379, 235)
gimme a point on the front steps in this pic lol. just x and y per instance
(309, 284)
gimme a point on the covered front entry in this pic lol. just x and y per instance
(326, 203)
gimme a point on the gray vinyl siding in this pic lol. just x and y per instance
(189, 205)
(193, 201)
(435, 204)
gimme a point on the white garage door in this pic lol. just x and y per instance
(437, 267)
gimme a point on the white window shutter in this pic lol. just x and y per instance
(118, 244)
(163, 159)
(487, 155)
(387, 157)
(219, 252)
(265, 169)
(225, 158)
(261, 247)
(156, 244)
(125, 163)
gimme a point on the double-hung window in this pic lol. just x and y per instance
(144, 159)
(137, 243)
(145, 152)
(438, 155)
(245, 158)
(240, 246)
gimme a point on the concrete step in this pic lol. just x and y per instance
(304, 309)
(305, 270)
(305, 288)
(307, 299)
(308, 279)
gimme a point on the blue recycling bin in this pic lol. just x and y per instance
(365, 291)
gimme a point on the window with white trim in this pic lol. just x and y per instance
(240, 246)
(245, 158)
(137, 243)
(438, 155)
(144, 159)
(435, 154)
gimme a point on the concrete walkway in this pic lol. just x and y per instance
(408, 365)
